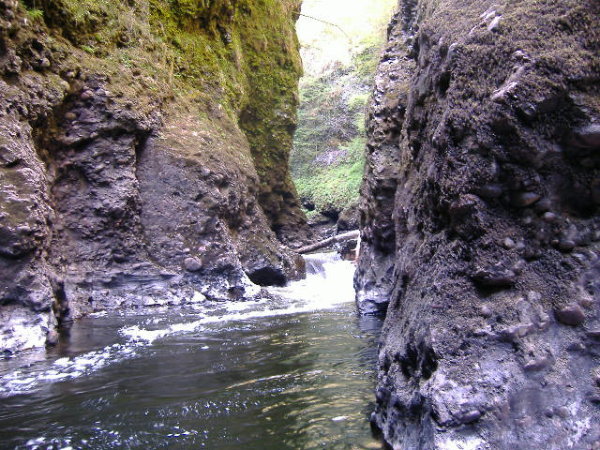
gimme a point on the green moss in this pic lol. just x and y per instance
(235, 60)
(310, 214)
(366, 59)
(224, 49)
(88, 49)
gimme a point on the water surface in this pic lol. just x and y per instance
(297, 373)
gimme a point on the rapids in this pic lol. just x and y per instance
(296, 371)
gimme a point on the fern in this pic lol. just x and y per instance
(35, 14)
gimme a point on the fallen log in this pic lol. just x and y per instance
(327, 242)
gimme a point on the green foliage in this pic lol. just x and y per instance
(337, 186)
(330, 122)
(35, 14)
(331, 118)
(358, 101)
(88, 49)
(328, 157)
(359, 22)
(33, 11)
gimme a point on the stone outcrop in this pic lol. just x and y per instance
(480, 225)
(129, 175)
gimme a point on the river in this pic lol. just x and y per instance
(293, 372)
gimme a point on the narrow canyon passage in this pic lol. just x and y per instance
(164, 164)
(294, 371)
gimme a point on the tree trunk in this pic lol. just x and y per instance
(327, 242)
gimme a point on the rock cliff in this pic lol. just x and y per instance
(480, 225)
(143, 156)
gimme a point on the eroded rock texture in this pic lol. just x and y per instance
(117, 194)
(480, 225)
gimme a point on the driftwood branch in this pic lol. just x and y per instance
(327, 242)
(326, 23)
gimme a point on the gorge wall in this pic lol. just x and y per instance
(143, 156)
(480, 225)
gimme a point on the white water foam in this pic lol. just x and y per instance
(326, 289)
(29, 378)
(329, 286)
(21, 328)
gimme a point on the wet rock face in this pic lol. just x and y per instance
(480, 225)
(105, 204)
(374, 276)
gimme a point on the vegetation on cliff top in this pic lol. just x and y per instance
(218, 52)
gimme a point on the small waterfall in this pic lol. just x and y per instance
(316, 263)
(329, 282)
(314, 266)
(218, 375)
